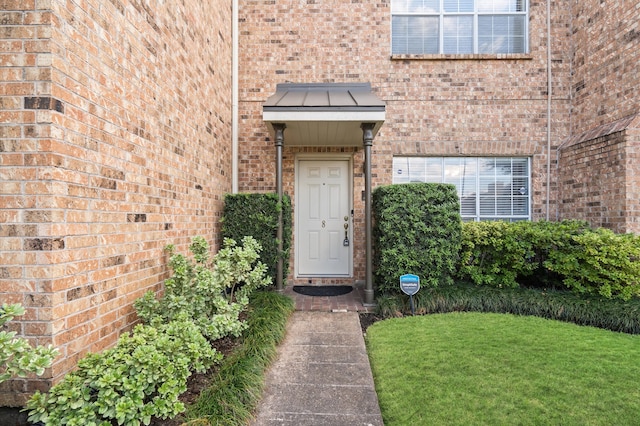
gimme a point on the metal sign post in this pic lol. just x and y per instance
(410, 285)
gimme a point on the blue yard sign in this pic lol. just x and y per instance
(410, 285)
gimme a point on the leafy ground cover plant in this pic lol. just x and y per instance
(144, 374)
(139, 378)
(567, 254)
(212, 293)
(17, 356)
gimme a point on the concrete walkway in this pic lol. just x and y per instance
(322, 375)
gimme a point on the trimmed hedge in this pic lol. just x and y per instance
(567, 254)
(417, 229)
(257, 215)
(501, 253)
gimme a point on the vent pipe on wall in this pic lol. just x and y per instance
(234, 96)
(549, 89)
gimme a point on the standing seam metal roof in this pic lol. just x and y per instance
(323, 97)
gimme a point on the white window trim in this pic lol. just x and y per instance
(441, 15)
(478, 216)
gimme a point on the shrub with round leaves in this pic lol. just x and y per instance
(17, 356)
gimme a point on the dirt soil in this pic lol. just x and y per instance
(368, 319)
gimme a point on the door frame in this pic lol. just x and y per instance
(347, 158)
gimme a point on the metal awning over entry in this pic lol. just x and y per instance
(326, 114)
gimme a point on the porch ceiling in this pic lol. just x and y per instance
(325, 114)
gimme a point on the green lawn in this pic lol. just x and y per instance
(497, 369)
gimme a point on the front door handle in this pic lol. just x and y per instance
(345, 242)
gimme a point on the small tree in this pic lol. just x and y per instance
(17, 356)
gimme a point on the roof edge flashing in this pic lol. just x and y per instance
(287, 115)
(307, 87)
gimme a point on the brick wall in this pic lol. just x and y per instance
(598, 162)
(598, 176)
(632, 182)
(593, 188)
(443, 106)
(114, 141)
(606, 64)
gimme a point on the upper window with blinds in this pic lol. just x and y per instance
(422, 27)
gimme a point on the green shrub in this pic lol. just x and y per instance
(141, 377)
(144, 374)
(416, 231)
(503, 254)
(17, 356)
(210, 295)
(257, 215)
(544, 238)
(232, 396)
(492, 254)
(600, 262)
(546, 254)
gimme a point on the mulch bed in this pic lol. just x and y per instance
(367, 319)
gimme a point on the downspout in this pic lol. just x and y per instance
(234, 96)
(549, 88)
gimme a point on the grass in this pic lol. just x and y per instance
(231, 398)
(596, 311)
(498, 369)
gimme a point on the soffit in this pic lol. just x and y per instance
(323, 114)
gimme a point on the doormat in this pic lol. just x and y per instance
(322, 290)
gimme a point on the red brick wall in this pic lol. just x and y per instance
(442, 106)
(606, 65)
(593, 187)
(115, 141)
(632, 182)
(599, 178)
(598, 164)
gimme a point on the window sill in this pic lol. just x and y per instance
(465, 57)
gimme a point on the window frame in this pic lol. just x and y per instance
(479, 176)
(475, 14)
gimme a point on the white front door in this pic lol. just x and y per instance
(323, 214)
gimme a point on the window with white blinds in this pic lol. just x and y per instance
(490, 188)
(459, 26)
